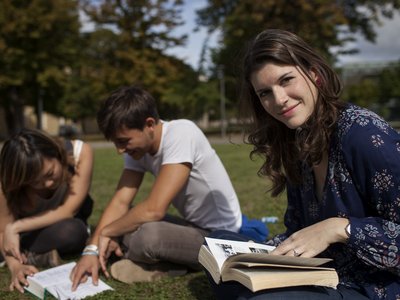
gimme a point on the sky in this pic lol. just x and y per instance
(190, 53)
(386, 48)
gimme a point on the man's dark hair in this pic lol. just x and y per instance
(126, 107)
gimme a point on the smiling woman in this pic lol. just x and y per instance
(338, 162)
(44, 202)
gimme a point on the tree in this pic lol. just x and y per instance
(93, 75)
(38, 41)
(379, 91)
(389, 91)
(364, 93)
(200, 99)
(389, 82)
(141, 35)
(323, 23)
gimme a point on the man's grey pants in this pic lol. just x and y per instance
(170, 240)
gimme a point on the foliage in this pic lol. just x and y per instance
(380, 92)
(45, 56)
(389, 83)
(389, 92)
(94, 75)
(37, 45)
(325, 24)
(363, 93)
(140, 33)
(195, 99)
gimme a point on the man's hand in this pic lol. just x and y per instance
(18, 275)
(11, 243)
(106, 247)
(86, 266)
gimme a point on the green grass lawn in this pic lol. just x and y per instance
(254, 200)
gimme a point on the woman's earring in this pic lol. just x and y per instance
(318, 82)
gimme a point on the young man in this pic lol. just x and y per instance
(188, 174)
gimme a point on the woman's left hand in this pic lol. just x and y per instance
(11, 242)
(312, 240)
(19, 272)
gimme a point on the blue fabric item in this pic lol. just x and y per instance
(255, 229)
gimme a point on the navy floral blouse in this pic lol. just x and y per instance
(363, 185)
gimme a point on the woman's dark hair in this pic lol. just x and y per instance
(283, 148)
(21, 162)
(127, 106)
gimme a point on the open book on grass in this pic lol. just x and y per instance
(56, 282)
(250, 264)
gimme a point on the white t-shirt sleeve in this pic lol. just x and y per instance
(179, 145)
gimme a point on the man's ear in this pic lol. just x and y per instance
(150, 122)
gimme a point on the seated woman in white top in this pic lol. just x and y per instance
(44, 201)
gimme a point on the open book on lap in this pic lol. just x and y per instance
(251, 265)
(56, 282)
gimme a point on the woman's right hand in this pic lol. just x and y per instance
(11, 242)
(18, 275)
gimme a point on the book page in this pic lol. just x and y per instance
(290, 261)
(222, 249)
(53, 276)
(57, 282)
(63, 291)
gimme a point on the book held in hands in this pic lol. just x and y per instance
(56, 281)
(251, 265)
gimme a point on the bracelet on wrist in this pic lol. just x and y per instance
(347, 230)
(91, 250)
(95, 253)
(91, 247)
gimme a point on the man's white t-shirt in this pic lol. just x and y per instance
(208, 200)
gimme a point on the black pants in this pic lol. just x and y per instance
(68, 236)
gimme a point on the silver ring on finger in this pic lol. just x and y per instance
(295, 253)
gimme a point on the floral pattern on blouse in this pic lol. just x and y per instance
(363, 185)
